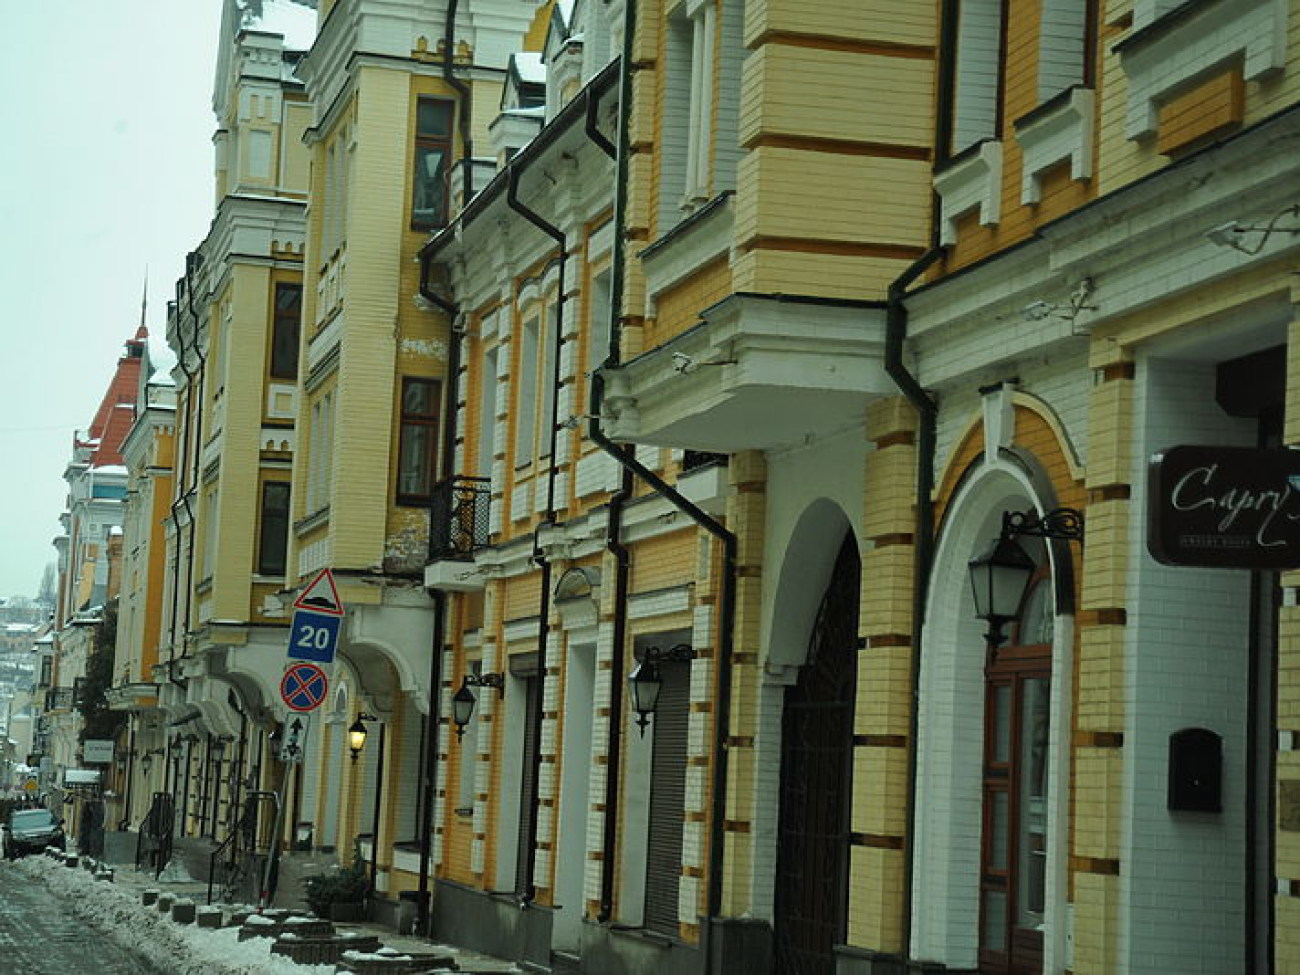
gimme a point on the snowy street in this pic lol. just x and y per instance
(51, 915)
(43, 931)
(58, 919)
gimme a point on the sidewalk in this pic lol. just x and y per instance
(175, 881)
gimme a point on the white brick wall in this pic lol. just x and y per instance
(1182, 874)
(945, 922)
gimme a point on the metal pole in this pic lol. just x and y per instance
(374, 829)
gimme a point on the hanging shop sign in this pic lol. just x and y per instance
(1225, 507)
(97, 751)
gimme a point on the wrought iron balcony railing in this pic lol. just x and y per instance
(59, 699)
(693, 460)
(458, 518)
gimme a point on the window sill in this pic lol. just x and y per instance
(1189, 43)
(647, 936)
(312, 521)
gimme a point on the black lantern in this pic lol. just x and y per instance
(999, 579)
(645, 682)
(357, 733)
(463, 701)
(1001, 576)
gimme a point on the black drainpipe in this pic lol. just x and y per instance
(452, 311)
(539, 557)
(928, 410)
(628, 462)
(464, 104)
(614, 528)
(196, 411)
(193, 260)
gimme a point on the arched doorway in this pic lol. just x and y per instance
(1014, 847)
(816, 782)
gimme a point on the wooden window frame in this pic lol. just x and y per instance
(409, 424)
(270, 532)
(286, 328)
(432, 142)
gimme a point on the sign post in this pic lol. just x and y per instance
(304, 687)
(317, 619)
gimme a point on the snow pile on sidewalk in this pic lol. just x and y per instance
(179, 949)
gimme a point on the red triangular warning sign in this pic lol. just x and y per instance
(321, 596)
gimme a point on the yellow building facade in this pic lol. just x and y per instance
(665, 370)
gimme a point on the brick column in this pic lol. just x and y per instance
(1098, 734)
(746, 517)
(1286, 934)
(882, 712)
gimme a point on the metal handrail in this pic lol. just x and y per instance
(233, 863)
(157, 827)
(458, 517)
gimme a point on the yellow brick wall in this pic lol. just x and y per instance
(812, 94)
(664, 561)
(875, 203)
(296, 174)
(877, 21)
(242, 399)
(1212, 108)
(678, 308)
(378, 199)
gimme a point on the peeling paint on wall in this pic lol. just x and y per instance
(426, 347)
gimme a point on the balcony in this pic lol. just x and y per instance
(758, 372)
(458, 527)
(60, 699)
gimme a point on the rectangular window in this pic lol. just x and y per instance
(526, 393)
(321, 440)
(209, 514)
(487, 414)
(546, 381)
(429, 192)
(418, 441)
(284, 331)
(978, 98)
(275, 528)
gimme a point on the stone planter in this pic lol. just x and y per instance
(347, 911)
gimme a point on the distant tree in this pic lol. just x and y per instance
(47, 593)
(97, 720)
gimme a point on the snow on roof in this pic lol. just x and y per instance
(112, 469)
(530, 67)
(294, 21)
(162, 360)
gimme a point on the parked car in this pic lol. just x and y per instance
(31, 831)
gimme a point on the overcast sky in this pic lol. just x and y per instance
(106, 122)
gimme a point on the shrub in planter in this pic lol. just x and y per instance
(337, 886)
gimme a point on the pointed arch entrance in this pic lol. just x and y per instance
(816, 780)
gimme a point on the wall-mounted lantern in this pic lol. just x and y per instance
(645, 682)
(463, 701)
(357, 733)
(1001, 576)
